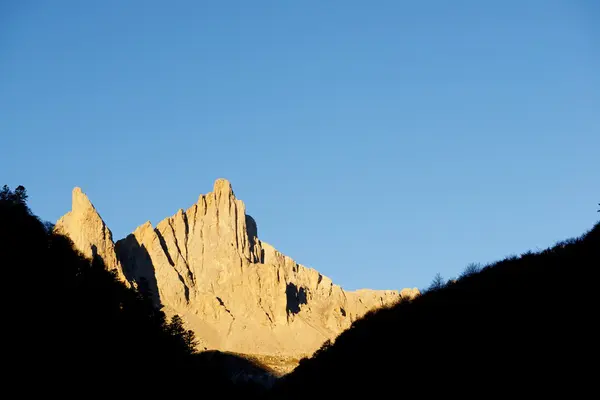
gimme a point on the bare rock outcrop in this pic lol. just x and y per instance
(90, 235)
(235, 291)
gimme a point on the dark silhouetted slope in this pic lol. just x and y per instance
(71, 328)
(524, 326)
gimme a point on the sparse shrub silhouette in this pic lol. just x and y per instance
(470, 269)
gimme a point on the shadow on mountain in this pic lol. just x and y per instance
(138, 267)
(524, 326)
(252, 230)
(295, 297)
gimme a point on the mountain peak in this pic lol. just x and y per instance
(90, 235)
(222, 186)
(235, 291)
(80, 201)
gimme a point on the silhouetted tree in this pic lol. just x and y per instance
(176, 326)
(5, 193)
(16, 198)
(437, 283)
(189, 338)
(21, 195)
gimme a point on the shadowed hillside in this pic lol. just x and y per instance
(72, 329)
(524, 326)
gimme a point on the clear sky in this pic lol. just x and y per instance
(377, 141)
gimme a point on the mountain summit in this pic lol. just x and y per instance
(235, 291)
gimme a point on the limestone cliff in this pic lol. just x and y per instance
(236, 292)
(88, 231)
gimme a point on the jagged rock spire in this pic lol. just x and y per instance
(236, 292)
(89, 233)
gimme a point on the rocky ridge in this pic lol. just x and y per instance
(235, 291)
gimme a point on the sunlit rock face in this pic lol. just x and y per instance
(237, 293)
(88, 231)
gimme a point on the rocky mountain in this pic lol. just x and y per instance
(235, 291)
(89, 233)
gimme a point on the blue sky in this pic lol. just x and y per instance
(380, 142)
